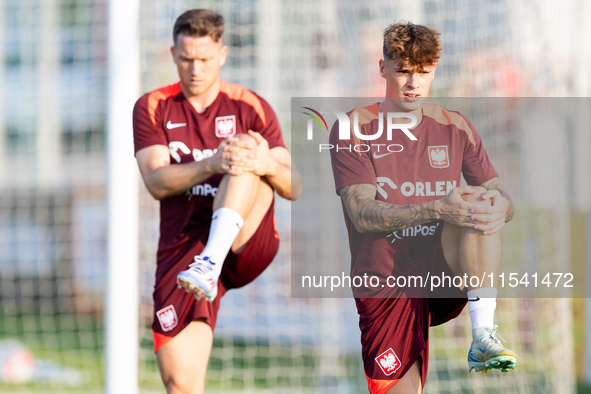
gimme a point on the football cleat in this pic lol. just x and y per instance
(487, 352)
(200, 278)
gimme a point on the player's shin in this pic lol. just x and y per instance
(481, 257)
(482, 303)
(202, 275)
(225, 226)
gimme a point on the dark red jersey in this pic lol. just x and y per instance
(406, 172)
(165, 117)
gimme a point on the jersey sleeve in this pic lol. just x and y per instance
(476, 166)
(145, 133)
(349, 167)
(269, 128)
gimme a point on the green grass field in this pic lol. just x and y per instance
(235, 364)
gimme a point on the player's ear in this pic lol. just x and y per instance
(223, 55)
(382, 68)
(172, 52)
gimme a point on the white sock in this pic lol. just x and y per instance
(482, 303)
(225, 226)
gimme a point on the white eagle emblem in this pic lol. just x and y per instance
(168, 318)
(438, 156)
(388, 362)
(225, 126)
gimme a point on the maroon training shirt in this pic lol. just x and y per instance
(165, 117)
(424, 170)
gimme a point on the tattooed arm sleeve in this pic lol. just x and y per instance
(369, 215)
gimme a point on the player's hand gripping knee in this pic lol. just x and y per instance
(220, 162)
(239, 154)
(262, 163)
(454, 209)
(490, 219)
(250, 156)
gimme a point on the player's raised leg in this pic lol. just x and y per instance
(183, 360)
(469, 251)
(239, 206)
(410, 383)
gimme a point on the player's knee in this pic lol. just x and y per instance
(244, 137)
(476, 197)
(178, 386)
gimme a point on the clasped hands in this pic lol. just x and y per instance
(487, 217)
(238, 154)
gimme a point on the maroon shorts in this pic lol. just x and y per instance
(174, 308)
(395, 331)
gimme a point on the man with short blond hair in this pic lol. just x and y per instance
(420, 223)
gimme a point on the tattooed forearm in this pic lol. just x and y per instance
(369, 215)
(495, 184)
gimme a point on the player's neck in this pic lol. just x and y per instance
(387, 106)
(201, 101)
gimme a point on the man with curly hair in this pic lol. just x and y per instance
(406, 216)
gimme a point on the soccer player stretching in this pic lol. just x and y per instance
(406, 217)
(213, 154)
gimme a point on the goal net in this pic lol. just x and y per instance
(53, 211)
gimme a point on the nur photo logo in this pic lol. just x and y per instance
(348, 123)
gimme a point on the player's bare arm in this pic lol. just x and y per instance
(163, 179)
(371, 215)
(491, 219)
(274, 164)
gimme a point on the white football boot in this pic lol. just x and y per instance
(487, 352)
(201, 278)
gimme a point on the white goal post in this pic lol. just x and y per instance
(122, 294)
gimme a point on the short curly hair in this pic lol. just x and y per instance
(415, 46)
